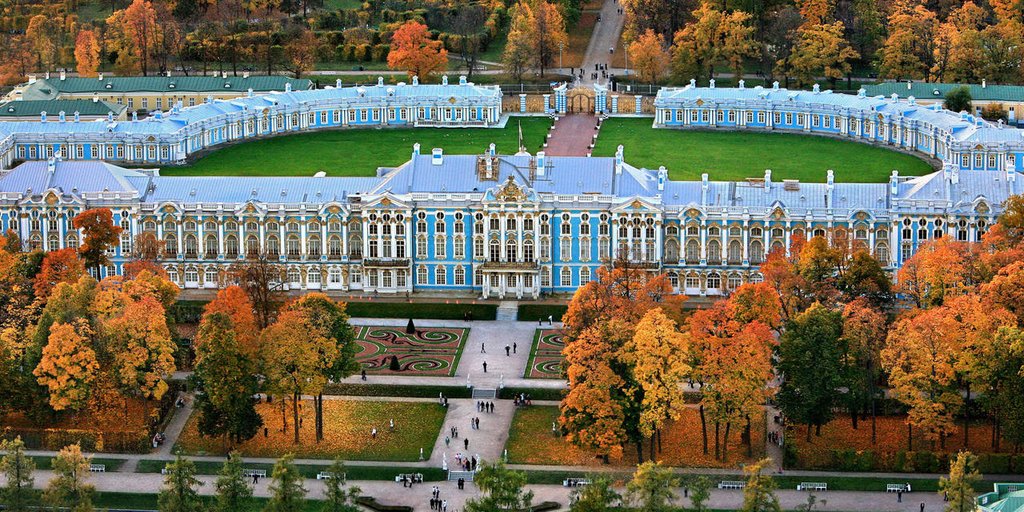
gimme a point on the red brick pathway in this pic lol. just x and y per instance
(571, 136)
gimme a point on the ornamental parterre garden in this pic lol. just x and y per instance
(429, 351)
(546, 355)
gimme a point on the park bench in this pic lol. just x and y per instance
(262, 473)
(98, 468)
(897, 488)
(327, 475)
(812, 486)
(416, 478)
(731, 484)
(575, 482)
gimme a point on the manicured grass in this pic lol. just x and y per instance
(43, 463)
(357, 151)
(417, 310)
(352, 472)
(734, 155)
(347, 427)
(534, 312)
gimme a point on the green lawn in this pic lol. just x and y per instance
(357, 151)
(730, 155)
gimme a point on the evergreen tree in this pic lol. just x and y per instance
(651, 488)
(179, 492)
(810, 362)
(959, 486)
(759, 494)
(286, 491)
(502, 488)
(68, 488)
(233, 491)
(336, 497)
(958, 99)
(17, 467)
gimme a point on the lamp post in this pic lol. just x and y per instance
(561, 46)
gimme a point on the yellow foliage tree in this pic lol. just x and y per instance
(68, 366)
(87, 53)
(649, 57)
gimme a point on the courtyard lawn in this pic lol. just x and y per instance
(347, 426)
(530, 441)
(357, 151)
(737, 155)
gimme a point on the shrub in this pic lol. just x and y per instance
(853, 460)
(994, 463)
(926, 462)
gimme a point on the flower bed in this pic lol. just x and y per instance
(347, 427)
(546, 355)
(431, 351)
(532, 442)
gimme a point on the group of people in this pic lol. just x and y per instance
(474, 423)
(482, 406)
(775, 437)
(436, 503)
(442, 400)
(467, 463)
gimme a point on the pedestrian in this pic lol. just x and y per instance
(508, 351)
(373, 433)
(945, 495)
(447, 440)
(255, 479)
(899, 496)
(492, 406)
(483, 349)
(485, 366)
(922, 506)
(266, 432)
(686, 491)
(363, 374)
(444, 506)
(391, 424)
(514, 347)
(466, 443)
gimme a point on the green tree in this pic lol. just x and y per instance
(227, 377)
(596, 497)
(958, 487)
(179, 493)
(759, 493)
(336, 497)
(810, 362)
(502, 488)
(958, 99)
(233, 491)
(17, 468)
(286, 491)
(650, 490)
(68, 488)
(700, 493)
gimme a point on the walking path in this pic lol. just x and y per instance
(606, 35)
(572, 135)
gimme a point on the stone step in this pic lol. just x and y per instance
(508, 310)
(455, 475)
(485, 393)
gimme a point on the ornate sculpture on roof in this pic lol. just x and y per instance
(510, 192)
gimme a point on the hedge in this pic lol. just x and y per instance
(535, 393)
(350, 389)
(422, 310)
(371, 503)
(534, 312)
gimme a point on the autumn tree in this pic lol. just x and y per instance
(233, 491)
(651, 488)
(61, 266)
(658, 353)
(810, 364)
(414, 52)
(301, 52)
(957, 47)
(958, 487)
(68, 489)
(136, 34)
(286, 491)
(649, 57)
(549, 35)
(517, 55)
(68, 366)
(142, 347)
(821, 50)
(938, 269)
(665, 17)
(907, 51)
(100, 232)
(17, 467)
(180, 490)
(261, 281)
(42, 35)
(227, 376)
(87, 53)
(714, 37)
(233, 302)
(759, 493)
(864, 330)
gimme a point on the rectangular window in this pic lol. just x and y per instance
(789, 118)
(760, 117)
(776, 118)
(815, 120)
(703, 116)
(693, 116)
(336, 116)
(732, 116)
(991, 161)
(79, 152)
(323, 117)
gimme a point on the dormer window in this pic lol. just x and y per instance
(170, 85)
(109, 86)
(227, 86)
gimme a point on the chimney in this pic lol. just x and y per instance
(767, 181)
(743, 84)
(158, 115)
(911, 100)
(775, 86)
(415, 79)
(209, 98)
(63, 75)
(462, 80)
(110, 117)
(135, 115)
(830, 181)
(693, 82)
(380, 81)
(101, 77)
(245, 74)
(490, 150)
(711, 84)
(42, 117)
(541, 163)
(704, 187)
(287, 87)
(95, 97)
(32, 79)
(910, 85)
(337, 83)
(662, 174)
(47, 75)
(862, 92)
(416, 150)
(444, 80)
(894, 97)
(168, 74)
(894, 182)
(61, 117)
(489, 167)
(618, 159)
(222, 75)
(816, 89)
(437, 156)
(51, 165)
(984, 83)
(248, 93)
(76, 116)
(955, 176)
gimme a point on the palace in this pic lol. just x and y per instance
(491, 225)
(496, 225)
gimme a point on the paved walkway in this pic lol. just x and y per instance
(572, 135)
(606, 35)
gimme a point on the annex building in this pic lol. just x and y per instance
(520, 225)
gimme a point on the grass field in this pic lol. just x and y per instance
(728, 155)
(357, 152)
(347, 426)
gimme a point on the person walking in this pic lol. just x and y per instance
(466, 443)
(508, 351)
(483, 348)
(514, 347)
(485, 366)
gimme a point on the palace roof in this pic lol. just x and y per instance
(53, 88)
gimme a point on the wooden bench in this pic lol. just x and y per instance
(896, 488)
(812, 486)
(731, 484)
(98, 468)
(416, 478)
(327, 475)
(575, 482)
(262, 473)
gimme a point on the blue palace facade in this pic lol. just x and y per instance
(520, 226)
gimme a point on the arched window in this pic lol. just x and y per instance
(440, 275)
(313, 246)
(273, 246)
(252, 246)
(584, 276)
(714, 252)
(231, 246)
(566, 277)
(355, 247)
(756, 252)
(421, 275)
(495, 250)
(210, 276)
(735, 252)
(211, 246)
(511, 251)
(170, 245)
(460, 276)
(292, 246)
(882, 253)
(528, 251)
(671, 251)
(714, 281)
(692, 252)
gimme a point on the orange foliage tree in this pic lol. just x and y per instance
(649, 57)
(62, 266)
(233, 302)
(939, 268)
(143, 352)
(414, 52)
(100, 233)
(68, 366)
(87, 53)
